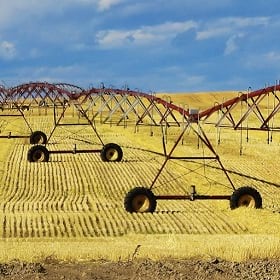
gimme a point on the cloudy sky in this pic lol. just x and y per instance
(151, 45)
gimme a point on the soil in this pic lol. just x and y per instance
(143, 269)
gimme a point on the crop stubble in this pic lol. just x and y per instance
(81, 196)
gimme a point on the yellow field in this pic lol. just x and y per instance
(72, 207)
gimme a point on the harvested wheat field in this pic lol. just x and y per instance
(66, 217)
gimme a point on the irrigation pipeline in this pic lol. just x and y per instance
(61, 92)
(125, 101)
(254, 101)
(242, 97)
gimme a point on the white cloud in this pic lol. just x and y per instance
(12, 12)
(244, 22)
(15, 11)
(145, 35)
(7, 50)
(272, 56)
(212, 32)
(228, 26)
(232, 45)
(107, 4)
(263, 60)
(102, 5)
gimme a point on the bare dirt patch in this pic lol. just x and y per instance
(145, 269)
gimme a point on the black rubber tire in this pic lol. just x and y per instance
(245, 197)
(111, 152)
(38, 153)
(38, 137)
(140, 200)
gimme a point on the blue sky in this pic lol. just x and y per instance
(150, 45)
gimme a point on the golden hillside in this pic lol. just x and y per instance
(198, 100)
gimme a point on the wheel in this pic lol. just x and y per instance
(111, 152)
(141, 200)
(246, 197)
(38, 137)
(38, 153)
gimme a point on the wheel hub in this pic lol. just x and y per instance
(247, 201)
(39, 139)
(112, 154)
(141, 203)
(39, 156)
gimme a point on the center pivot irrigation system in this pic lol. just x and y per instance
(261, 106)
(142, 199)
(58, 97)
(128, 107)
(11, 109)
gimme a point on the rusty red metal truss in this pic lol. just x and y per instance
(143, 108)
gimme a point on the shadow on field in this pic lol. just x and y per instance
(210, 166)
(245, 176)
